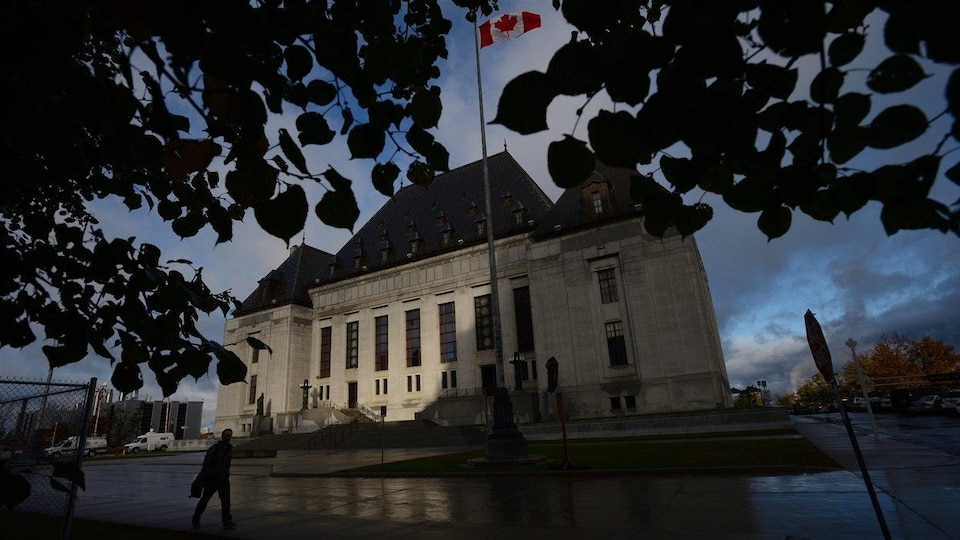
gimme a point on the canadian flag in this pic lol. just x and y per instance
(507, 26)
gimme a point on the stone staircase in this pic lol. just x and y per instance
(366, 435)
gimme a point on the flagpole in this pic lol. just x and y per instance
(504, 441)
(491, 246)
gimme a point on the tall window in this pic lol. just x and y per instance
(413, 338)
(448, 332)
(608, 286)
(256, 356)
(325, 341)
(521, 308)
(380, 350)
(484, 317)
(616, 345)
(253, 390)
(353, 344)
(597, 203)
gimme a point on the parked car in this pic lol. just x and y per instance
(951, 401)
(929, 403)
(885, 403)
(94, 446)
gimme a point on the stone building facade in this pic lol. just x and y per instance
(400, 319)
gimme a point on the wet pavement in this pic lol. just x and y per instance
(284, 498)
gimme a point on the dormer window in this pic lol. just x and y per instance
(519, 214)
(359, 256)
(446, 235)
(597, 201)
(481, 224)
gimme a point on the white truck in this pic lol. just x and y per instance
(68, 446)
(149, 442)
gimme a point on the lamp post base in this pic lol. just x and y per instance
(504, 441)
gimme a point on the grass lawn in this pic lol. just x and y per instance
(771, 448)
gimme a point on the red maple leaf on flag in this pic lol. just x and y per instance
(506, 23)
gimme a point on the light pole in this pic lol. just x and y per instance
(863, 386)
(305, 386)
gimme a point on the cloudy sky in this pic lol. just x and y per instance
(860, 283)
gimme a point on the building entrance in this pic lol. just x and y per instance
(352, 395)
(488, 376)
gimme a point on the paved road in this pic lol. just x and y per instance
(919, 491)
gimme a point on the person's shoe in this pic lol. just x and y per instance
(230, 526)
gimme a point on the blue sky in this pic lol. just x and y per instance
(860, 283)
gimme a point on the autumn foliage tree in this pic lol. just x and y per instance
(900, 362)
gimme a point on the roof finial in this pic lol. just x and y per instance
(504, 145)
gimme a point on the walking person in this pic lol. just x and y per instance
(216, 473)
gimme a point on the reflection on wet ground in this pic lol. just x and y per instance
(918, 490)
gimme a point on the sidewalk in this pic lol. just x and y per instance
(283, 498)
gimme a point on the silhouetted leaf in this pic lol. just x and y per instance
(851, 108)
(259, 345)
(523, 103)
(846, 143)
(185, 156)
(61, 355)
(292, 151)
(792, 28)
(845, 48)
(953, 173)
(366, 141)
(14, 489)
(896, 125)
(419, 173)
(299, 62)
(895, 74)
(615, 138)
(338, 209)
(826, 85)
(69, 471)
(126, 377)
(284, 215)
(569, 162)
(680, 172)
(383, 176)
(425, 107)
(230, 369)
(775, 221)
(574, 69)
(321, 92)
(777, 81)
(251, 182)
(194, 363)
(314, 129)
(691, 219)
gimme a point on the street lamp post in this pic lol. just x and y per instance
(305, 386)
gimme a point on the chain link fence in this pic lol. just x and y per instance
(43, 432)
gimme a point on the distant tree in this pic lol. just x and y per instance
(786, 400)
(815, 391)
(748, 397)
(899, 362)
